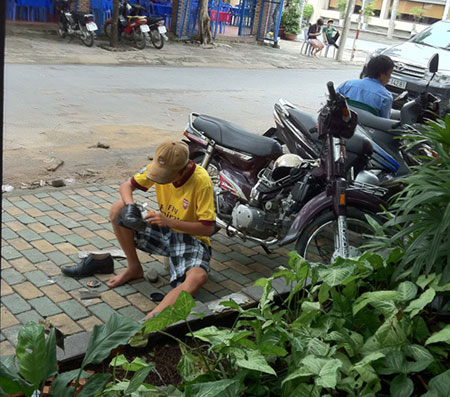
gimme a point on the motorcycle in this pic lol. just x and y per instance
(157, 31)
(390, 159)
(276, 199)
(131, 24)
(75, 23)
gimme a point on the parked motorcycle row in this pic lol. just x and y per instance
(133, 26)
(309, 181)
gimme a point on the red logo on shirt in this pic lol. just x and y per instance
(185, 204)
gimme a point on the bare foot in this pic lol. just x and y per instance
(123, 278)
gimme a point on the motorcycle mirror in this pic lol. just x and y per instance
(433, 63)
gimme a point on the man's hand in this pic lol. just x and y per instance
(158, 219)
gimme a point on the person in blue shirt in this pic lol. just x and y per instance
(371, 90)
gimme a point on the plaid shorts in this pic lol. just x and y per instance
(184, 251)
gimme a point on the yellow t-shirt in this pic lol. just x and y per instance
(191, 200)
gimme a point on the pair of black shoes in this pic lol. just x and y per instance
(92, 264)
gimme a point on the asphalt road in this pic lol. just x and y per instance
(60, 111)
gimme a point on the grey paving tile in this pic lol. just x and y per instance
(41, 195)
(9, 253)
(12, 276)
(58, 195)
(159, 267)
(34, 256)
(223, 292)
(58, 258)
(23, 205)
(76, 240)
(145, 288)
(218, 277)
(78, 198)
(83, 210)
(125, 290)
(25, 219)
(2, 338)
(30, 315)
(102, 212)
(102, 311)
(96, 199)
(67, 283)
(8, 234)
(52, 237)
(109, 189)
(100, 242)
(93, 188)
(43, 207)
(218, 256)
(29, 235)
(204, 296)
(46, 220)
(253, 292)
(69, 223)
(235, 276)
(44, 306)
(244, 260)
(254, 276)
(74, 346)
(6, 203)
(132, 312)
(38, 278)
(15, 303)
(91, 225)
(7, 218)
(265, 260)
(12, 333)
(62, 208)
(74, 309)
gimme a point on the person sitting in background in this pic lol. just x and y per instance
(314, 32)
(371, 90)
(330, 34)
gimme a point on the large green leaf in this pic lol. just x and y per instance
(31, 353)
(50, 348)
(418, 304)
(171, 314)
(407, 291)
(10, 380)
(317, 348)
(117, 331)
(401, 386)
(94, 384)
(336, 275)
(369, 358)
(190, 366)
(328, 375)
(137, 379)
(376, 296)
(252, 359)
(393, 363)
(220, 388)
(439, 386)
(422, 358)
(59, 385)
(442, 336)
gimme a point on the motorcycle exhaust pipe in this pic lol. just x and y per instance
(232, 231)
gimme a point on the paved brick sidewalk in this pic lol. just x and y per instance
(43, 230)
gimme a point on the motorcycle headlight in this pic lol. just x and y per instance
(441, 78)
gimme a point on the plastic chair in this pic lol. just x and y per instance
(11, 9)
(306, 46)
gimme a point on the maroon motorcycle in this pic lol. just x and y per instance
(276, 199)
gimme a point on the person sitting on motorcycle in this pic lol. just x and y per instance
(371, 90)
(180, 230)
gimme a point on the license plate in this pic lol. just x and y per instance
(397, 83)
(162, 29)
(91, 26)
(145, 28)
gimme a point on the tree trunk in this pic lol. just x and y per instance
(347, 22)
(113, 41)
(204, 24)
(391, 27)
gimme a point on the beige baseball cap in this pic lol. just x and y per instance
(169, 159)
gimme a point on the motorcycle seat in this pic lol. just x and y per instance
(133, 18)
(367, 119)
(304, 121)
(79, 15)
(234, 137)
(152, 20)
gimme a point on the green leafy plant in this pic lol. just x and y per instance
(290, 19)
(35, 359)
(418, 233)
(341, 6)
(308, 10)
(417, 13)
(369, 10)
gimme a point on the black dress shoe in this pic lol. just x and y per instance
(92, 264)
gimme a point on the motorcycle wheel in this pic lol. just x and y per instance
(87, 38)
(213, 169)
(139, 40)
(61, 30)
(316, 244)
(157, 39)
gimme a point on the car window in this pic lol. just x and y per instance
(437, 35)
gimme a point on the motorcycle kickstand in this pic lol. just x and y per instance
(265, 248)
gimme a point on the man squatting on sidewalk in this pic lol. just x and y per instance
(180, 230)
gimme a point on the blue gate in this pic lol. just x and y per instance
(269, 21)
(225, 19)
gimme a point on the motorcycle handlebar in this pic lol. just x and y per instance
(331, 90)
